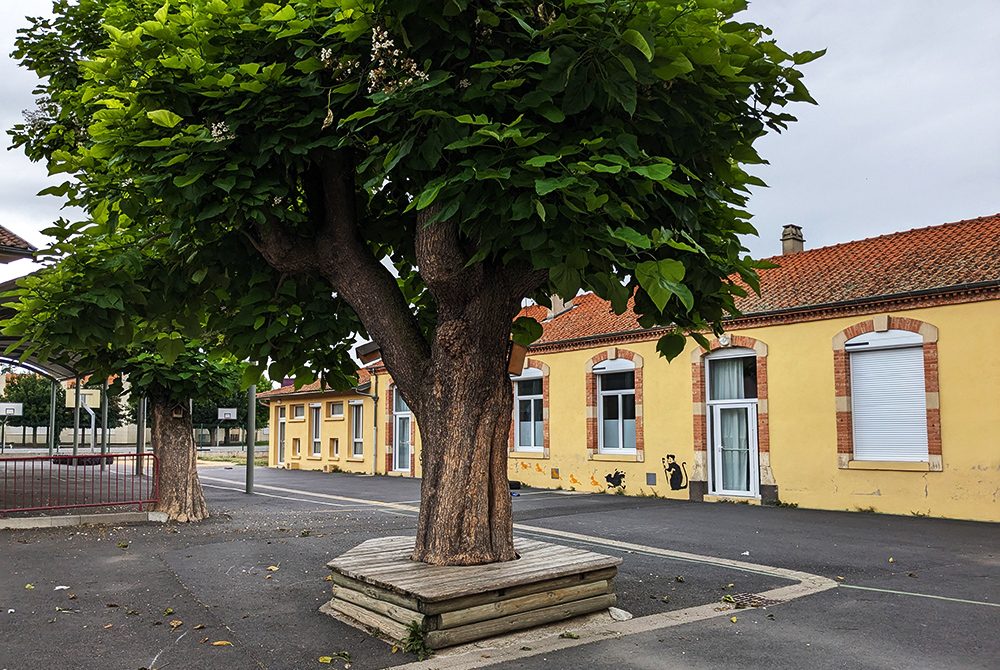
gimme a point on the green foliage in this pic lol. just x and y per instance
(415, 643)
(601, 143)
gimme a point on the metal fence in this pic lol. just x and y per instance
(37, 483)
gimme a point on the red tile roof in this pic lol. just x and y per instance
(925, 259)
(9, 239)
(363, 377)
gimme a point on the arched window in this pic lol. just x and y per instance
(616, 406)
(529, 411)
(885, 371)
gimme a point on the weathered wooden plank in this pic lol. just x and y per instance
(390, 627)
(511, 606)
(448, 637)
(403, 615)
(516, 591)
(372, 591)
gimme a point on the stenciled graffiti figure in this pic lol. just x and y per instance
(616, 480)
(678, 479)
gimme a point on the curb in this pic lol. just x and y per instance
(83, 520)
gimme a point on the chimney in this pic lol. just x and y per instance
(791, 239)
(558, 306)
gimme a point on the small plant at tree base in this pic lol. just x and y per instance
(781, 503)
(414, 642)
(867, 510)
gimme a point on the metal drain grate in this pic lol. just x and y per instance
(754, 600)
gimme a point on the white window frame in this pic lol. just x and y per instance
(357, 429)
(397, 415)
(603, 368)
(281, 435)
(713, 413)
(335, 450)
(298, 411)
(892, 401)
(334, 406)
(529, 374)
(316, 412)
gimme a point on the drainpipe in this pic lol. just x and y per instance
(374, 398)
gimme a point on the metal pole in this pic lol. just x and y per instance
(251, 433)
(140, 441)
(3, 435)
(52, 417)
(76, 418)
(104, 421)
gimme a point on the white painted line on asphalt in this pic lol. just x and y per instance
(918, 595)
(272, 495)
(326, 496)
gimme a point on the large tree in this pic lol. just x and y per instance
(431, 164)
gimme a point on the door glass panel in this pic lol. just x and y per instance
(611, 424)
(530, 387)
(733, 434)
(401, 405)
(733, 378)
(618, 381)
(403, 443)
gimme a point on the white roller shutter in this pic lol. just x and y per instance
(889, 405)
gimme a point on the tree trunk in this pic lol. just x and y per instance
(464, 415)
(34, 435)
(181, 496)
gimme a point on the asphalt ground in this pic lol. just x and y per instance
(936, 604)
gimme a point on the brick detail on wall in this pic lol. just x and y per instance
(699, 398)
(591, 389)
(842, 383)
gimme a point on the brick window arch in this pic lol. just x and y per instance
(511, 445)
(699, 473)
(884, 323)
(593, 440)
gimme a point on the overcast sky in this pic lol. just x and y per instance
(906, 134)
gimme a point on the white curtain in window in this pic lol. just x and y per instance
(726, 376)
(735, 449)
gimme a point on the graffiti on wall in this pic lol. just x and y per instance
(615, 480)
(676, 474)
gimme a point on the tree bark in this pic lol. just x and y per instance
(181, 495)
(457, 386)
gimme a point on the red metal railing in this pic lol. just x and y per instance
(88, 480)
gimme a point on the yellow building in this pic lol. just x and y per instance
(863, 377)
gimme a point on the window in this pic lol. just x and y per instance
(334, 447)
(336, 410)
(298, 411)
(616, 406)
(888, 396)
(296, 445)
(529, 431)
(317, 447)
(357, 431)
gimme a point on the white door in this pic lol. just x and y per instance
(281, 438)
(735, 467)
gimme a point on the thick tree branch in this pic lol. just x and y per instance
(337, 251)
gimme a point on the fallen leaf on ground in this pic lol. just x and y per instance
(222, 643)
(328, 578)
(268, 577)
(72, 596)
(29, 586)
(395, 648)
(570, 636)
(199, 626)
(326, 659)
(912, 574)
(733, 619)
(728, 599)
(175, 623)
(204, 640)
(272, 568)
(112, 605)
(680, 578)
(166, 612)
(892, 560)
(109, 625)
(840, 578)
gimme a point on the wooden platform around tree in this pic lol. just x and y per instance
(378, 585)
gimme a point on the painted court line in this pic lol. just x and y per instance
(325, 496)
(919, 595)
